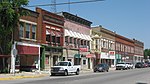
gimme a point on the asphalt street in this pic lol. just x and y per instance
(135, 76)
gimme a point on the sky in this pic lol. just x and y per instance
(129, 18)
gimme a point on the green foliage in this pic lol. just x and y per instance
(146, 53)
(10, 12)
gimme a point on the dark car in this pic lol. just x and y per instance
(148, 64)
(139, 65)
(101, 67)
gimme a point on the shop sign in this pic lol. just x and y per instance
(83, 49)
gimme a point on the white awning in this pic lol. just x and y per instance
(89, 38)
(67, 33)
(83, 37)
(76, 35)
(47, 32)
(71, 34)
(86, 36)
(79, 35)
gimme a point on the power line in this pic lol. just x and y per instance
(78, 2)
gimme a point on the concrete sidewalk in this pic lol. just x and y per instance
(36, 74)
(22, 75)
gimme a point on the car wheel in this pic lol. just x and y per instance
(66, 73)
(77, 72)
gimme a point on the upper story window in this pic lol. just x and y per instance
(48, 37)
(75, 41)
(33, 31)
(27, 30)
(66, 39)
(21, 30)
(71, 39)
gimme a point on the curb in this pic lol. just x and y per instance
(21, 77)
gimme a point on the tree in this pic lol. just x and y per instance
(10, 12)
(146, 53)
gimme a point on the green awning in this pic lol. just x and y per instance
(77, 56)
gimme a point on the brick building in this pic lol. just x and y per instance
(52, 31)
(124, 49)
(138, 51)
(27, 42)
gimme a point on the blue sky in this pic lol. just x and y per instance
(129, 18)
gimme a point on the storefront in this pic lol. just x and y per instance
(118, 58)
(28, 56)
(50, 56)
(90, 60)
(108, 58)
(72, 55)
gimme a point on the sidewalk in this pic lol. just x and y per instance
(22, 75)
(36, 74)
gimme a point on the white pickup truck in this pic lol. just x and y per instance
(65, 67)
(121, 65)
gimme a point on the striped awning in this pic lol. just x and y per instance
(77, 35)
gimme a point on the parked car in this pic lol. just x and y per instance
(139, 65)
(145, 65)
(130, 65)
(65, 67)
(101, 67)
(121, 66)
(148, 64)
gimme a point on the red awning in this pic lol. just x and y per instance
(58, 34)
(27, 50)
(90, 56)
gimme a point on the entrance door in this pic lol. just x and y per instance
(55, 60)
(47, 63)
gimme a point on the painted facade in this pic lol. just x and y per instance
(77, 41)
(105, 44)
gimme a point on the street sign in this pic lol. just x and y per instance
(15, 52)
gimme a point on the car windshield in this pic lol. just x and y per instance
(62, 64)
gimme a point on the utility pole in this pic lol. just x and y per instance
(53, 7)
(68, 5)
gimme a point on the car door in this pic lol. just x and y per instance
(69, 67)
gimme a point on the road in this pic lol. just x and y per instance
(135, 76)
